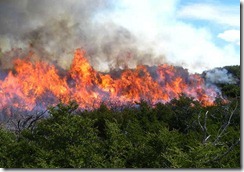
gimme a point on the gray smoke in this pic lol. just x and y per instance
(220, 76)
(53, 29)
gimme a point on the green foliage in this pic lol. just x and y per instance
(117, 146)
(6, 139)
(230, 90)
(234, 70)
(178, 134)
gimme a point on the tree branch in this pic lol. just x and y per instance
(206, 136)
(228, 151)
(225, 127)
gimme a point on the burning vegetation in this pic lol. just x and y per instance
(121, 101)
(36, 84)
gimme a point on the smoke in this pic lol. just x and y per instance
(54, 29)
(220, 76)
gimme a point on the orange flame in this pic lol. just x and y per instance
(39, 83)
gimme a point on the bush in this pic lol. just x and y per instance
(178, 134)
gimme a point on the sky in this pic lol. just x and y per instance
(196, 34)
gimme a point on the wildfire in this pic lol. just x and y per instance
(39, 84)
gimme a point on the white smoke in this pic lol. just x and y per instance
(220, 76)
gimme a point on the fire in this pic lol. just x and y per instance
(39, 84)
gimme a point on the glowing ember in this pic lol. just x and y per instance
(38, 84)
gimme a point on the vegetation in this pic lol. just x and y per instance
(178, 134)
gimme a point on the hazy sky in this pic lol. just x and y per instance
(195, 34)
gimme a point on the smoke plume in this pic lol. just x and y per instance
(54, 29)
(219, 76)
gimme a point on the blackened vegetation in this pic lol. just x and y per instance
(178, 134)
